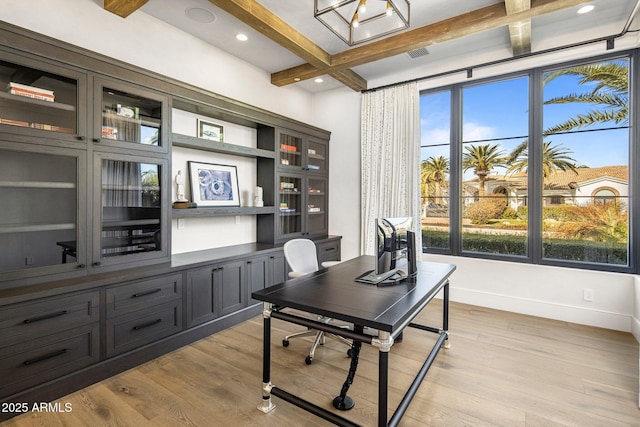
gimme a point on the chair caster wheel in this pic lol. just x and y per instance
(308, 360)
(350, 353)
(285, 343)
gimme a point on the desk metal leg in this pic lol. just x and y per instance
(266, 405)
(384, 345)
(445, 315)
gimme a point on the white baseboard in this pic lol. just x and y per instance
(546, 309)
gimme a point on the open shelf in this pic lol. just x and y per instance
(218, 211)
(185, 141)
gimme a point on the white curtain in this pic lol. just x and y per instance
(390, 153)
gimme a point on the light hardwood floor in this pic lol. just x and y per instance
(503, 369)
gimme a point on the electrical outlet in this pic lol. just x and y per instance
(587, 294)
(180, 223)
(29, 260)
(237, 219)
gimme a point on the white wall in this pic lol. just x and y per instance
(339, 111)
(635, 322)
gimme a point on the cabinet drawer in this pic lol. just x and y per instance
(27, 321)
(37, 361)
(136, 296)
(328, 251)
(141, 327)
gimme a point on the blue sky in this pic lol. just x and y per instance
(506, 116)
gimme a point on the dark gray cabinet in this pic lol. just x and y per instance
(142, 312)
(215, 291)
(47, 338)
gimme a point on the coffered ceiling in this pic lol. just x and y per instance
(286, 40)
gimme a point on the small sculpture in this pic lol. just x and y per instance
(180, 187)
(257, 199)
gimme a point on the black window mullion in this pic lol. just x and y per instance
(455, 176)
(535, 183)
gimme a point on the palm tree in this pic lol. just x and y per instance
(482, 159)
(554, 158)
(611, 94)
(433, 171)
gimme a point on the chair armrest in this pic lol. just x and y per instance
(294, 274)
(328, 264)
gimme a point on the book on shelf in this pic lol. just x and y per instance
(314, 167)
(31, 92)
(109, 132)
(53, 128)
(14, 123)
(290, 148)
(125, 111)
(313, 208)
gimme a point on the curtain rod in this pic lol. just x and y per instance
(608, 39)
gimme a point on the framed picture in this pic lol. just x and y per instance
(210, 131)
(214, 185)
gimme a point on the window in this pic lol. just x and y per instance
(586, 144)
(434, 169)
(543, 164)
(494, 166)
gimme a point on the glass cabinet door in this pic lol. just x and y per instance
(290, 150)
(33, 100)
(317, 155)
(317, 220)
(290, 204)
(130, 116)
(132, 209)
(39, 220)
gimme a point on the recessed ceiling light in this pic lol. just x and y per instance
(586, 9)
(203, 16)
(242, 37)
(318, 80)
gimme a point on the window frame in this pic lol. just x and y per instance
(535, 187)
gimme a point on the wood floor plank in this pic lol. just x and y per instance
(503, 369)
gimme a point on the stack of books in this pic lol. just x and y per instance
(290, 148)
(284, 208)
(313, 208)
(31, 92)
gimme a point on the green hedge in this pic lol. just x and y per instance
(572, 250)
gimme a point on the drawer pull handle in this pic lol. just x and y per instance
(46, 316)
(146, 325)
(143, 294)
(45, 357)
(330, 249)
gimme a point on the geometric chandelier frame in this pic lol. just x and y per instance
(359, 21)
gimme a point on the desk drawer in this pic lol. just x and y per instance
(139, 295)
(135, 329)
(27, 321)
(37, 361)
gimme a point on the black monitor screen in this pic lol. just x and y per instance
(392, 243)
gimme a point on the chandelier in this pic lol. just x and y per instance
(358, 21)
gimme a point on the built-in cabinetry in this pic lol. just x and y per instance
(88, 284)
(80, 197)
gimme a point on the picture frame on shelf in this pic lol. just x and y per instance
(210, 131)
(213, 184)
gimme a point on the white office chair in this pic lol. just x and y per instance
(302, 259)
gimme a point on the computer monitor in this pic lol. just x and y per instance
(396, 249)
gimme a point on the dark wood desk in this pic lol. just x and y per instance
(334, 293)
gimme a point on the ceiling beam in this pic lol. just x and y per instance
(484, 19)
(519, 32)
(123, 8)
(266, 22)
